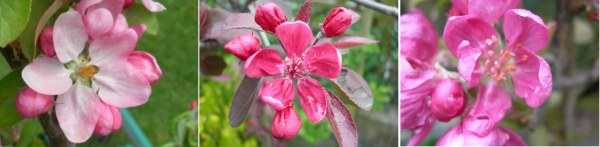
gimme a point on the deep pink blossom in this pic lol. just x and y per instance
(474, 42)
(46, 43)
(499, 136)
(243, 46)
(269, 16)
(82, 79)
(286, 123)
(109, 120)
(447, 100)
(337, 22)
(488, 10)
(418, 37)
(30, 104)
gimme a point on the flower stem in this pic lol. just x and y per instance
(51, 128)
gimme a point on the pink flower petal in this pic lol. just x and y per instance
(525, 29)
(312, 98)
(265, 62)
(488, 10)
(114, 6)
(278, 94)
(82, 5)
(421, 133)
(112, 48)
(459, 136)
(294, 37)
(533, 78)
(418, 38)
(470, 28)
(447, 100)
(139, 29)
(109, 120)
(286, 124)
(336, 22)
(118, 85)
(412, 78)
(30, 104)
(243, 46)
(47, 76)
(153, 6)
(46, 42)
(69, 36)
(145, 65)
(468, 65)
(120, 25)
(269, 16)
(490, 107)
(323, 60)
(98, 22)
(461, 5)
(77, 112)
(513, 138)
(415, 87)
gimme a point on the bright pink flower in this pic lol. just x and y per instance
(269, 16)
(474, 42)
(243, 46)
(488, 10)
(499, 136)
(109, 120)
(81, 80)
(418, 38)
(323, 60)
(153, 6)
(46, 44)
(490, 107)
(30, 104)
(447, 100)
(145, 65)
(337, 22)
(286, 124)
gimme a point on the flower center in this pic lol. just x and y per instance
(88, 72)
(294, 68)
(499, 63)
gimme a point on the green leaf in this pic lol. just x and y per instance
(137, 14)
(13, 18)
(28, 36)
(31, 129)
(9, 87)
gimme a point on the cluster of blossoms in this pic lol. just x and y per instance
(303, 57)
(88, 62)
(430, 93)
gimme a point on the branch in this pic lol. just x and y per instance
(379, 7)
(578, 80)
(51, 128)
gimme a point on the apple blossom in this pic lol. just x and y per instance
(30, 104)
(337, 22)
(269, 16)
(243, 46)
(447, 100)
(84, 78)
(45, 41)
(109, 120)
(145, 65)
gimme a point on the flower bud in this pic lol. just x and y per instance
(145, 64)
(243, 46)
(447, 100)
(286, 124)
(46, 43)
(269, 16)
(31, 104)
(193, 105)
(109, 120)
(128, 4)
(337, 22)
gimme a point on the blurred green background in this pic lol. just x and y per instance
(570, 115)
(376, 63)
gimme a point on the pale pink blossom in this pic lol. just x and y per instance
(153, 6)
(109, 120)
(82, 79)
(145, 64)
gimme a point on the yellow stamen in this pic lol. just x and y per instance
(510, 68)
(88, 72)
(524, 57)
(518, 46)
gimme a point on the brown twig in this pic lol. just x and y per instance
(55, 134)
(379, 7)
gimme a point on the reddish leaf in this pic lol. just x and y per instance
(352, 41)
(304, 11)
(341, 122)
(242, 100)
(224, 26)
(241, 21)
(354, 89)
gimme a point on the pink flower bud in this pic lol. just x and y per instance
(337, 22)
(447, 100)
(46, 43)
(269, 16)
(286, 124)
(193, 105)
(128, 4)
(145, 64)
(31, 104)
(243, 46)
(110, 120)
